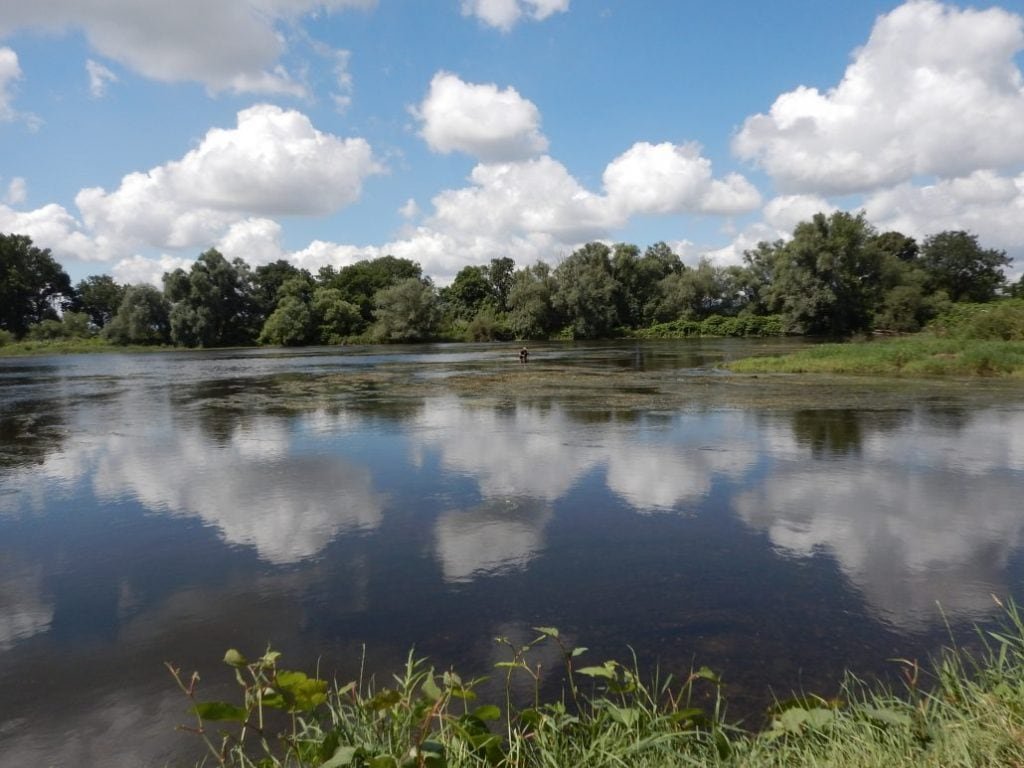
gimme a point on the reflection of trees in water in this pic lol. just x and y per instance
(30, 431)
(842, 430)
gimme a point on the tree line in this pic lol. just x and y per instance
(836, 276)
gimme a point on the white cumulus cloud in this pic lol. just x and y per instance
(274, 162)
(229, 45)
(505, 14)
(479, 119)
(935, 91)
(669, 178)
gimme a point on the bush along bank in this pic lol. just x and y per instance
(962, 710)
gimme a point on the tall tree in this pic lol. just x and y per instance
(532, 313)
(500, 273)
(956, 264)
(360, 282)
(409, 310)
(33, 287)
(586, 292)
(827, 276)
(212, 303)
(142, 318)
(100, 296)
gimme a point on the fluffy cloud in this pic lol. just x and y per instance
(235, 48)
(273, 162)
(10, 72)
(51, 226)
(935, 91)
(668, 178)
(139, 269)
(986, 203)
(505, 14)
(99, 78)
(493, 125)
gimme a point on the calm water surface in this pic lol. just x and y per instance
(169, 506)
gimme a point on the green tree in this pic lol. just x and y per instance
(212, 303)
(826, 279)
(335, 318)
(469, 292)
(500, 273)
(267, 280)
(33, 287)
(956, 264)
(142, 318)
(100, 296)
(587, 290)
(409, 310)
(291, 324)
(693, 294)
(360, 282)
(72, 325)
(532, 313)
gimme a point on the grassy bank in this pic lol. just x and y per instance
(27, 348)
(963, 710)
(923, 355)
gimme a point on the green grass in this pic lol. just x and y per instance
(69, 347)
(964, 710)
(922, 355)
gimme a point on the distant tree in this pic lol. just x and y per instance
(469, 292)
(267, 280)
(292, 322)
(825, 279)
(33, 287)
(100, 296)
(409, 310)
(532, 313)
(212, 303)
(587, 290)
(500, 273)
(71, 325)
(335, 318)
(694, 294)
(956, 264)
(142, 318)
(360, 282)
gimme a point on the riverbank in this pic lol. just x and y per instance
(963, 710)
(915, 356)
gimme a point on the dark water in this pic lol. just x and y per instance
(169, 506)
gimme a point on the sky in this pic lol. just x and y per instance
(136, 134)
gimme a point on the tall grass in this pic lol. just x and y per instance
(964, 710)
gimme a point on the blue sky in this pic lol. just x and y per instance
(136, 134)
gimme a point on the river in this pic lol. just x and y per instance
(168, 506)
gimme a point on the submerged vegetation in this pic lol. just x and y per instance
(966, 709)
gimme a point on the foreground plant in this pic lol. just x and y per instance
(963, 711)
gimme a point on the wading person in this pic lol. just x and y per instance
(524, 355)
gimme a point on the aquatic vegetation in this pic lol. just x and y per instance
(911, 356)
(964, 709)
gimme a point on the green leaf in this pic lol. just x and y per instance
(578, 652)
(383, 761)
(548, 631)
(235, 659)
(342, 756)
(220, 710)
(627, 716)
(706, 673)
(605, 672)
(385, 699)
(430, 689)
(886, 716)
(487, 712)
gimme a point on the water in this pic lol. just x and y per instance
(166, 507)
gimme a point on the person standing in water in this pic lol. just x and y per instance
(524, 355)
